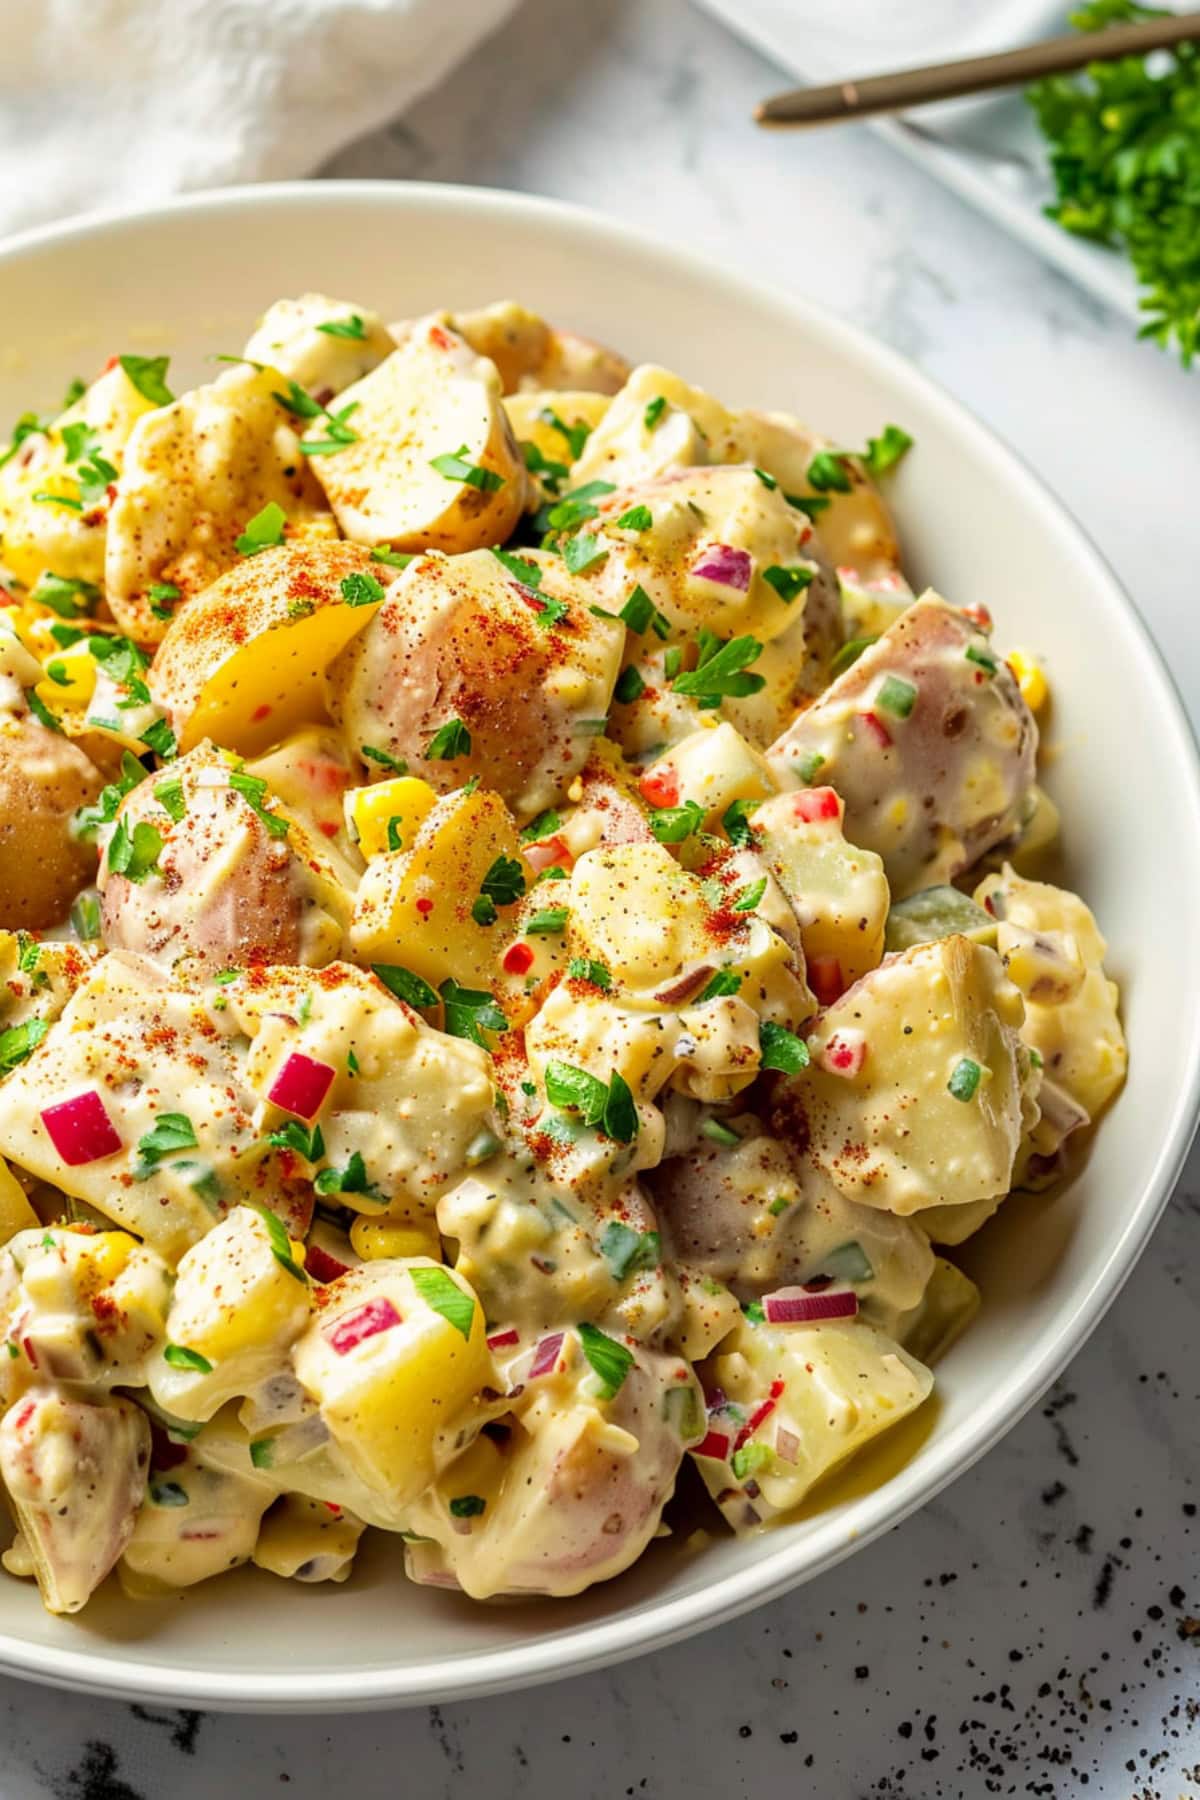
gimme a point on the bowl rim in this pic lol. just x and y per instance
(656, 1625)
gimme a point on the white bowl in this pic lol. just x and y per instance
(190, 278)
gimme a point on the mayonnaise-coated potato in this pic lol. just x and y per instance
(293, 336)
(431, 400)
(461, 642)
(196, 474)
(243, 663)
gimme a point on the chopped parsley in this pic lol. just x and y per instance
(161, 739)
(41, 711)
(467, 1506)
(827, 473)
(337, 434)
(544, 826)
(19, 1042)
(442, 1293)
(654, 411)
(294, 1136)
(135, 853)
(886, 450)
(576, 435)
(781, 1048)
(549, 921)
(639, 611)
(721, 670)
(453, 465)
(850, 652)
(253, 789)
(611, 1108)
(630, 686)
(65, 595)
(625, 1250)
(583, 968)
(172, 1133)
(264, 531)
(281, 1247)
(450, 741)
(638, 518)
(736, 820)
(469, 1012)
(788, 582)
(169, 795)
(361, 589)
(673, 824)
(583, 551)
(350, 1180)
(747, 898)
(385, 759)
(725, 981)
(149, 376)
(180, 1357)
(353, 328)
(610, 1360)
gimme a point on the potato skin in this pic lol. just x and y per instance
(43, 779)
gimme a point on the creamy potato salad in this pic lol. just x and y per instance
(525, 951)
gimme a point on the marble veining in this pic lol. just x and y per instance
(1037, 1629)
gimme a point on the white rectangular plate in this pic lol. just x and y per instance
(988, 151)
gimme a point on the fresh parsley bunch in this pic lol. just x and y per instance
(1125, 151)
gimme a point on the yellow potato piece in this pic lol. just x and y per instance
(244, 662)
(16, 1214)
(373, 812)
(196, 474)
(414, 906)
(390, 1372)
(432, 399)
(533, 415)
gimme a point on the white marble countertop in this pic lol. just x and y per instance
(1026, 1633)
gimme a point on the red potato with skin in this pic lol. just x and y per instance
(575, 1493)
(76, 1473)
(228, 888)
(929, 743)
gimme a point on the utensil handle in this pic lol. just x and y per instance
(907, 88)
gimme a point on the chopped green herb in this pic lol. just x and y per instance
(385, 759)
(747, 898)
(630, 686)
(721, 670)
(467, 1506)
(161, 739)
(718, 1132)
(253, 789)
(42, 498)
(172, 1132)
(451, 740)
(65, 595)
(361, 589)
(583, 551)
(849, 1262)
(575, 1090)
(736, 821)
(654, 411)
(89, 818)
(353, 327)
(638, 518)
(292, 1135)
(672, 661)
(779, 1204)
(808, 764)
(896, 696)
(300, 404)
(576, 435)
(414, 990)
(673, 824)
(264, 531)
(281, 1245)
(975, 653)
(725, 981)
(41, 711)
(162, 596)
(135, 853)
(886, 450)
(149, 376)
(546, 923)
(85, 916)
(168, 1493)
(529, 574)
(262, 1452)
(620, 1117)
(469, 1012)
(169, 795)
(788, 582)
(583, 968)
(440, 1291)
(781, 1048)
(393, 559)
(544, 826)
(827, 473)
(454, 467)
(625, 1250)
(18, 1042)
(639, 611)
(337, 434)
(768, 481)
(751, 1460)
(504, 882)
(610, 1361)
(180, 1357)
(350, 1180)
(538, 463)
(964, 1079)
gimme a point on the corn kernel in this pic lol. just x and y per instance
(1031, 678)
(370, 810)
(376, 1238)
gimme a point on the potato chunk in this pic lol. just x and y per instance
(434, 465)
(919, 1089)
(467, 670)
(195, 1522)
(395, 1359)
(820, 1393)
(234, 880)
(1075, 1028)
(44, 779)
(244, 663)
(90, 1305)
(929, 743)
(839, 892)
(133, 1047)
(196, 473)
(75, 1471)
(70, 460)
(293, 336)
(575, 1492)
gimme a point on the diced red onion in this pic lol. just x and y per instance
(793, 1306)
(787, 1445)
(366, 1321)
(545, 1357)
(724, 566)
(716, 1445)
(878, 729)
(81, 1130)
(322, 1266)
(499, 1339)
(301, 1085)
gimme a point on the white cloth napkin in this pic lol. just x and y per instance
(119, 102)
